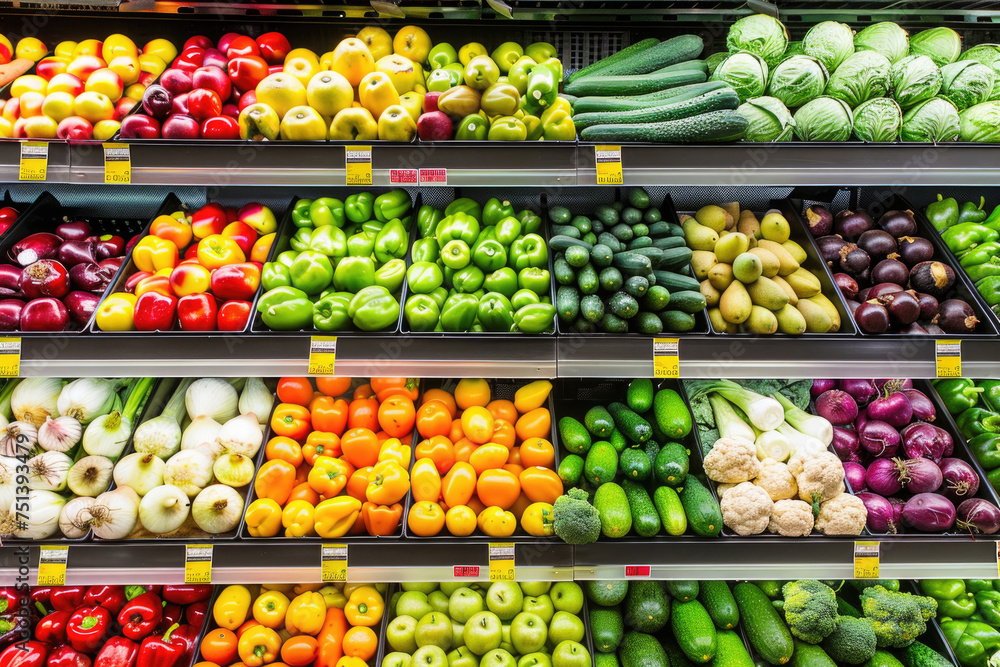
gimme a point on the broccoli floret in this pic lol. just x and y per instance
(898, 618)
(574, 519)
(810, 609)
(853, 642)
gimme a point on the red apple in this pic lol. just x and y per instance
(213, 78)
(157, 101)
(180, 126)
(247, 98)
(247, 71)
(214, 57)
(180, 104)
(204, 103)
(273, 47)
(177, 81)
(434, 126)
(147, 79)
(431, 101)
(123, 106)
(49, 67)
(65, 83)
(140, 126)
(220, 127)
(230, 109)
(190, 60)
(74, 127)
(198, 40)
(275, 69)
(242, 45)
(226, 40)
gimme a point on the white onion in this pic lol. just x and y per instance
(114, 513)
(86, 399)
(19, 438)
(217, 509)
(201, 430)
(107, 435)
(212, 397)
(143, 472)
(41, 520)
(34, 399)
(241, 435)
(90, 476)
(234, 470)
(190, 470)
(164, 509)
(8, 482)
(256, 399)
(74, 520)
(59, 434)
(49, 471)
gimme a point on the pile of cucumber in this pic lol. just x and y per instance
(654, 91)
(623, 269)
(628, 455)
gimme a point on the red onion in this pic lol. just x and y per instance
(44, 315)
(923, 408)
(81, 305)
(74, 231)
(46, 277)
(892, 407)
(978, 516)
(837, 407)
(929, 512)
(882, 477)
(72, 253)
(897, 509)
(900, 384)
(131, 242)
(10, 276)
(114, 263)
(845, 442)
(960, 480)
(862, 419)
(34, 247)
(919, 475)
(91, 277)
(108, 245)
(862, 391)
(926, 441)
(880, 513)
(819, 386)
(10, 314)
(855, 475)
(879, 439)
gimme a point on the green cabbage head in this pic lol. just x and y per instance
(797, 80)
(915, 79)
(829, 42)
(824, 119)
(942, 45)
(759, 34)
(967, 83)
(862, 77)
(745, 72)
(932, 121)
(768, 118)
(886, 38)
(879, 119)
(981, 123)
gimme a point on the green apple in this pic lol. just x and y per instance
(568, 653)
(533, 588)
(400, 634)
(504, 599)
(457, 634)
(483, 633)
(464, 603)
(449, 587)
(541, 606)
(563, 626)
(528, 633)
(498, 658)
(567, 596)
(434, 629)
(425, 587)
(538, 659)
(413, 603)
(429, 656)
(505, 633)
(438, 601)
(507, 646)
(396, 659)
(463, 657)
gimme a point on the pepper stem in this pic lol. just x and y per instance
(170, 631)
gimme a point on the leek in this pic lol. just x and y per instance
(729, 423)
(771, 445)
(817, 427)
(763, 411)
(162, 435)
(800, 442)
(107, 435)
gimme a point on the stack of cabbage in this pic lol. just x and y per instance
(877, 85)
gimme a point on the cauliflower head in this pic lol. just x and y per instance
(791, 518)
(746, 509)
(775, 478)
(842, 515)
(721, 489)
(821, 478)
(732, 460)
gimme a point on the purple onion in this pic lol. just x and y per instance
(892, 407)
(929, 512)
(897, 510)
(10, 314)
(10, 277)
(72, 253)
(960, 481)
(927, 441)
(862, 391)
(978, 516)
(880, 513)
(91, 277)
(854, 473)
(900, 384)
(923, 407)
(862, 419)
(919, 475)
(837, 407)
(81, 305)
(879, 439)
(845, 443)
(819, 386)
(882, 477)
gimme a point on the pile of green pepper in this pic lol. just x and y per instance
(973, 236)
(343, 267)
(479, 268)
(969, 613)
(976, 408)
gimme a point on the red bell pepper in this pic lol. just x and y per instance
(27, 654)
(172, 613)
(196, 612)
(191, 252)
(135, 591)
(42, 595)
(158, 589)
(236, 281)
(141, 615)
(111, 598)
(10, 600)
(157, 651)
(66, 656)
(197, 312)
(187, 593)
(234, 315)
(67, 598)
(186, 637)
(87, 627)
(207, 220)
(155, 312)
(52, 628)
(117, 652)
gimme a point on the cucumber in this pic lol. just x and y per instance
(771, 588)
(642, 241)
(622, 232)
(645, 520)
(564, 273)
(632, 426)
(651, 449)
(676, 282)
(607, 628)
(582, 223)
(674, 652)
(693, 630)
(652, 215)
(647, 323)
(720, 604)
(577, 256)
(638, 198)
(611, 323)
(662, 228)
(624, 54)
(606, 660)
(711, 127)
(606, 593)
(639, 395)
(656, 298)
(609, 239)
(566, 230)
(623, 304)
(715, 100)
(682, 590)
(573, 435)
(618, 441)
(599, 422)
(677, 321)
(563, 241)
(616, 519)
(596, 104)
(919, 654)
(667, 242)
(731, 651)
(701, 508)
(601, 463)
(607, 215)
(609, 86)
(641, 650)
(664, 54)
(671, 412)
(592, 308)
(633, 262)
(672, 464)
(636, 287)
(567, 303)
(601, 255)
(586, 279)
(764, 628)
(810, 655)
(883, 658)
(647, 607)
(688, 301)
(570, 470)
(668, 506)
(634, 464)
(631, 216)
(611, 279)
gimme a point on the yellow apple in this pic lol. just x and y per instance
(65, 49)
(4, 42)
(161, 48)
(377, 40)
(396, 124)
(65, 83)
(127, 67)
(40, 127)
(6, 128)
(328, 93)
(28, 82)
(281, 92)
(301, 68)
(58, 106)
(31, 104)
(303, 53)
(413, 102)
(400, 71)
(412, 42)
(355, 123)
(94, 106)
(326, 61)
(135, 92)
(107, 82)
(88, 47)
(376, 93)
(105, 129)
(152, 64)
(353, 60)
(31, 48)
(85, 65)
(118, 45)
(303, 123)
(470, 51)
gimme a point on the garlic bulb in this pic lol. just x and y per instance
(201, 430)
(241, 435)
(233, 470)
(18, 439)
(86, 399)
(217, 509)
(90, 476)
(212, 397)
(49, 471)
(143, 472)
(74, 520)
(60, 434)
(34, 399)
(256, 399)
(190, 470)
(164, 509)
(114, 513)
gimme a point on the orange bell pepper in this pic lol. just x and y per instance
(329, 414)
(363, 413)
(386, 387)
(275, 480)
(291, 421)
(329, 476)
(331, 638)
(174, 229)
(320, 443)
(304, 492)
(258, 646)
(396, 415)
(357, 485)
(393, 450)
(359, 525)
(153, 253)
(388, 484)
(360, 446)
(286, 449)
(381, 519)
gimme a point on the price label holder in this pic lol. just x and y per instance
(198, 564)
(434, 176)
(358, 165)
(10, 357)
(501, 561)
(334, 562)
(637, 571)
(117, 164)
(866, 560)
(609, 165)
(465, 572)
(52, 565)
(34, 161)
(666, 358)
(948, 358)
(403, 177)
(322, 355)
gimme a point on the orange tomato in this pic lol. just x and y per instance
(536, 423)
(477, 424)
(295, 390)
(503, 433)
(304, 492)
(363, 391)
(472, 391)
(456, 432)
(459, 484)
(360, 642)
(275, 480)
(498, 487)
(386, 387)
(425, 519)
(443, 396)
(541, 485)
(333, 386)
(396, 415)
(522, 503)
(476, 505)
(286, 449)
(487, 457)
(360, 447)
(464, 449)
(514, 455)
(501, 409)
(425, 481)
(358, 483)
(329, 414)
(439, 449)
(363, 413)
(513, 467)
(219, 646)
(246, 626)
(299, 651)
(460, 520)
(209, 663)
(537, 452)
(433, 418)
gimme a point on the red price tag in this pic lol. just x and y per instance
(434, 177)
(636, 570)
(403, 176)
(461, 571)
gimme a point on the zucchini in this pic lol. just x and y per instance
(645, 520)
(624, 54)
(714, 126)
(664, 54)
(677, 321)
(693, 630)
(731, 652)
(918, 654)
(724, 98)
(688, 301)
(642, 83)
(765, 630)
(702, 510)
(595, 103)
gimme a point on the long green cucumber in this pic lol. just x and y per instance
(714, 126)
(712, 101)
(628, 102)
(643, 83)
(624, 54)
(670, 52)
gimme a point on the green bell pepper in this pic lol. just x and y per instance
(391, 275)
(311, 272)
(358, 208)
(361, 244)
(991, 394)
(507, 230)
(459, 312)
(327, 211)
(300, 239)
(330, 312)
(456, 254)
(988, 606)
(440, 295)
(443, 79)
(976, 421)
(976, 585)
(524, 297)
(427, 219)
(392, 241)
(422, 312)
(958, 394)
(472, 128)
(953, 600)
(275, 275)
(535, 279)
(300, 213)
(287, 257)
(458, 225)
(285, 309)
(986, 448)
(993, 220)
(989, 289)
(374, 309)
(507, 128)
(329, 240)
(353, 274)
(468, 279)
(988, 269)
(425, 250)
(518, 74)
(942, 213)
(979, 255)
(970, 212)
(503, 281)
(534, 318)
(495, 312)
(393, 204)
(467, 206)
(424, 277)
(973, 642)
(557, 123)
(495, 210)
(441, 55)
(372, 226)
(967, 235)
(489, 254)
(529, 250)
(543, 89)
(531, 222)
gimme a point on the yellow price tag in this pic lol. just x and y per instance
(52, 565)
(948, 356)
(334, 562)
(866, 556)
(666, 359)
(198, 564)
(322, 355)
(34, 161)
(501, 561)
(117, 164)
(358, 165)
(10, 357)
(609, 165)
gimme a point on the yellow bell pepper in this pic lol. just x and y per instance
(117, 312)
(263, 518)
(299, 589)
(496, 522)
(259, 645)
(388, 483)
(152, 253)
(287, 589)
(297, 518)
(306, 614)
(393, 450)
(532, 395)
(537, 520)
(364, 606)
(350, 661)
(269, 609)
(328, 476)
(231, 607)
(333, 597)
(336, 516)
